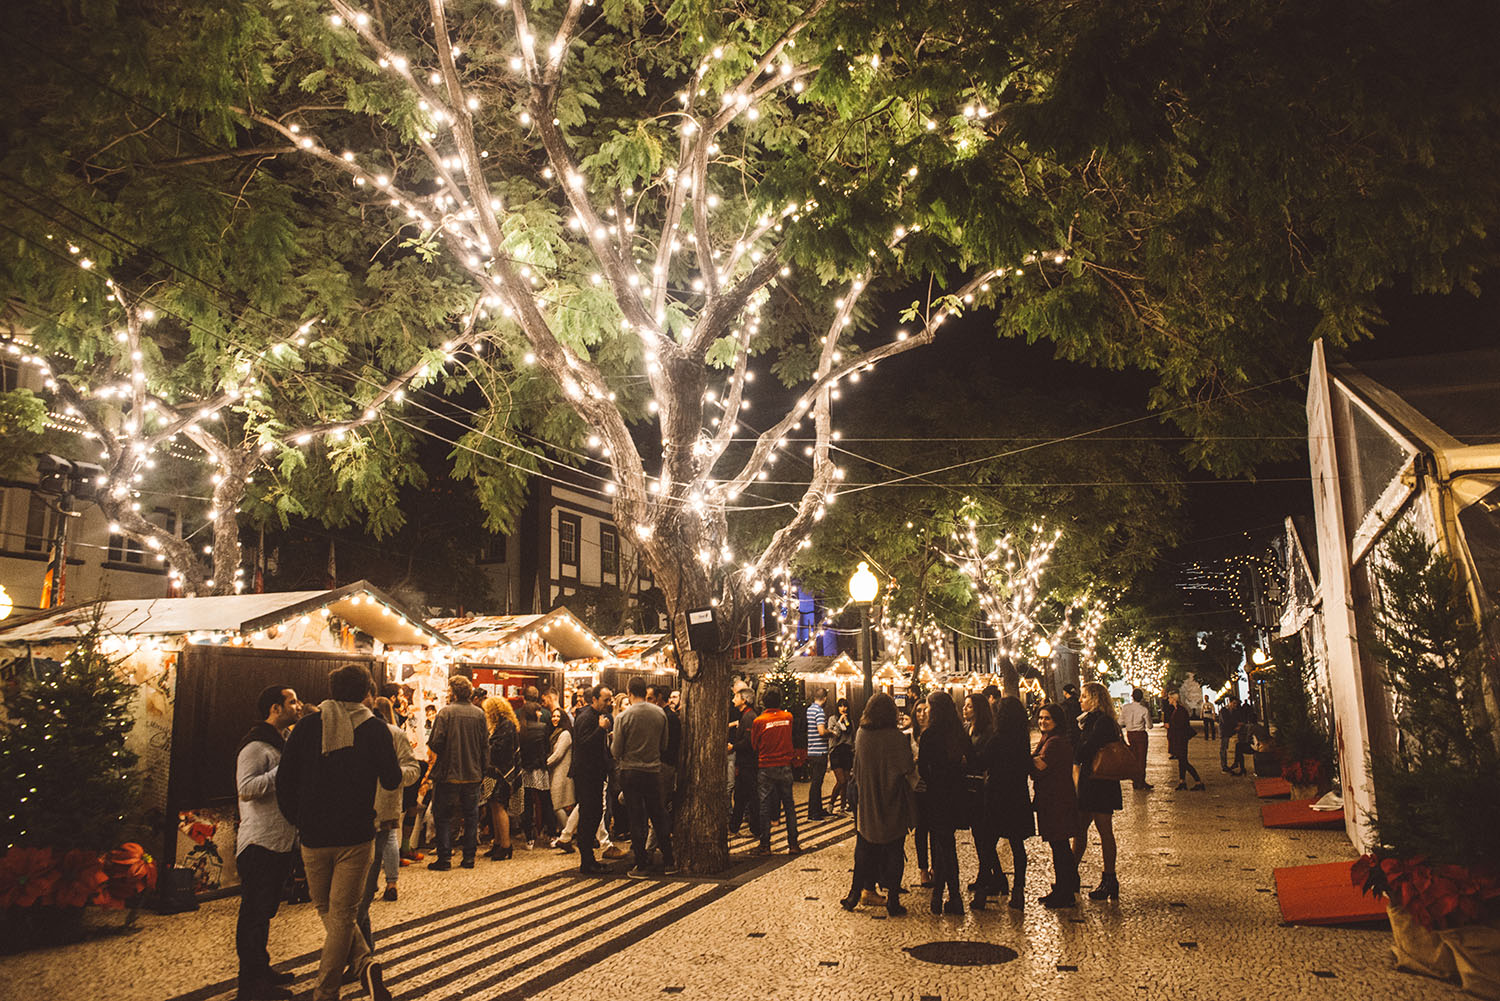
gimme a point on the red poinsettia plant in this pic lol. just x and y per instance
(1304, 772)
(41, 877)
(1436, 895)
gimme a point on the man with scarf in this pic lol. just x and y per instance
(329, 770)
(263, 843)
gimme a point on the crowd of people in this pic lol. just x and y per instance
(979, 767)
(335, 796)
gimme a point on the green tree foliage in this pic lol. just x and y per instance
(1438, 790)
(65, 774)
(23, 420)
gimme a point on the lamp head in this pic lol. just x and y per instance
(1043, 647)
(863, 586)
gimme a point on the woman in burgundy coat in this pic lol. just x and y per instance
(1056, 805)
(1179, 736)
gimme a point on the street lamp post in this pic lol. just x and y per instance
(862, 588)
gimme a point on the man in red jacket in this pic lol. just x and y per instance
(771, 736)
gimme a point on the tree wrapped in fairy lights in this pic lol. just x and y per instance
(1005, 576)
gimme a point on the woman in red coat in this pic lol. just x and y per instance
(1056, 805)
(1179, 736)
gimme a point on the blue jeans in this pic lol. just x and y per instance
(817, 768)
(776, 791)
(466, 794)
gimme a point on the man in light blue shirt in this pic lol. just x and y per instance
(817, 754)
(263, 843)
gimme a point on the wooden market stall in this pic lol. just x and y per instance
(634, 655)
(506, 653)
(198, 665)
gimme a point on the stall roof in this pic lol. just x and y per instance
(361, 604)
(1455, 391)
(570, 637)
(635, 646)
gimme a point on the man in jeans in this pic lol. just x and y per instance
(746, 765)
(325, 786)
(263, 843)
(460, 741)
(639, 742)
(771, 736)
(817, 754)
(1229, 726)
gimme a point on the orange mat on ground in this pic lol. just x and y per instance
(1299, 813)
(1323, 895)
(1272, 788)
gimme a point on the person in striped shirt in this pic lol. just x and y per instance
(817, 753)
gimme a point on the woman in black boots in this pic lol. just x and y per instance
(941, 762)
(1056, 804)
(1007, 804)
(1098, 799)
(886, 775)
(1179, 737)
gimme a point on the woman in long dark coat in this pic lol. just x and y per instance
(1098, 799)
(941, 756)
(886, 774)
(1179, 737)
(1006, 809)
(1056, 803)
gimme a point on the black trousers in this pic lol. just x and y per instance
(746, 800)
(817, 769)
(1064, 865)
(944, 861)
(263, 876)
(878, 865)
(590, 793)
(642, 793)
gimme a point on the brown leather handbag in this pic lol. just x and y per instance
(1115, 762)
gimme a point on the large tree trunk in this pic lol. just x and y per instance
(701, 835)
(1010, 678)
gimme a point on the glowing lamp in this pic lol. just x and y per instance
(1043, 647)
(863, 586)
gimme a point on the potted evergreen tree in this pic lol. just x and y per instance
(1437, 810)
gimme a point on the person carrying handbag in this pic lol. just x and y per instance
(1098, 798)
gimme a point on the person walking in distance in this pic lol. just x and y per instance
(264, 843)
(817, 753)
(1229, 724)
(388, 820)
(771, 736)
(1135, 720)
(1056, 804)
(1210, 720)
(1179, 737)
(746, 804)
(333, 763)
(888, 774)
(639, 741)
(589, 771)
(1098, 799)
(460, 744)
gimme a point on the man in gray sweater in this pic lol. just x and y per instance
(639, 742)
(459, 741)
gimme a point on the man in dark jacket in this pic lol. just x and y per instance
(1072, 708)
(460, 742)
(746, 770)
(326, 787)
(589, 771)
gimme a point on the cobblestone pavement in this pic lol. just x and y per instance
(1197, 918)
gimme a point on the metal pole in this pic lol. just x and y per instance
(864, 635)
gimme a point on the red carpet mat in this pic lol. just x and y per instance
(1299, 813)
(1323, 895)
(1276, 788)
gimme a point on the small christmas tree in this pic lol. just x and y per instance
(65, 775)
(1438, 792)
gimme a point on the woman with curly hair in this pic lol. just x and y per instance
(505, 746)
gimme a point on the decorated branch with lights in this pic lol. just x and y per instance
(124, 403)
(1142, 662)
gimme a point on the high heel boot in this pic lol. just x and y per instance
(1108, 888)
